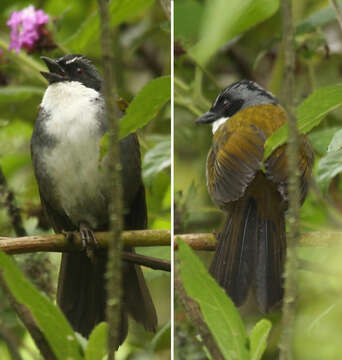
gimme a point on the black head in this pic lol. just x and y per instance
(238, 96)
(72, 68)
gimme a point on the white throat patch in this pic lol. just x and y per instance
(218, 123)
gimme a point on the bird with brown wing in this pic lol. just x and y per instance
(252, 191)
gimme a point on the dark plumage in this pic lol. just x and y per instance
(75, 193)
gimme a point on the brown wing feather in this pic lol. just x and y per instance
(238, 149)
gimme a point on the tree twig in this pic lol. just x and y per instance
(338, 12)
(27, 319)
(62, 243)
(290, 285)
(11, 341)
(148, 261)
(194, 313)
(142, 238)
(114, 282)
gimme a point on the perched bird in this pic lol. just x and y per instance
(252, 191)
(75, 193)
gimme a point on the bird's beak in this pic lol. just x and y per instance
(207, 118)
(56, 72)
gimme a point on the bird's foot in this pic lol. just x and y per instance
(89, 241)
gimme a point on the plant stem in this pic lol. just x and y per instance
(114, 282)
(290, 287)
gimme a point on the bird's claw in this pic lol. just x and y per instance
(89, 241)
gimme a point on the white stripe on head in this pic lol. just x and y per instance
(218, 123)
(73, 60)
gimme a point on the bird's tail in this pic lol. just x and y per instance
(81, 292)
(82, 297)
(251, 250)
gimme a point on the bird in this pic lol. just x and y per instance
(74, 187)
(252, 192)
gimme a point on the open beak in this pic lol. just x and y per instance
(207, 118)
(56, 72)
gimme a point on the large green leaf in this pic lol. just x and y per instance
(49, 318)
(146, 105)
(188, 17)
(219, 312)
(97, 343)
(258, 339)
(19, 93)
(120, 11)
(309, 114)
(224, 19)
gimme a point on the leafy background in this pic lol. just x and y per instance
(142, 55)
(211, 53)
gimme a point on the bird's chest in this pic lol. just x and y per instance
(72, 163)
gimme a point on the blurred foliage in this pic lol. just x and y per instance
(142, 54)
(219, 312)
(256, 54)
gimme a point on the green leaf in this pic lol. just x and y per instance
(146, 105)
(328, 167)
(157, 159)
(162, 339)
(219, 312)
(19, 93)
(316, 20)
(258, 339)
(336, 142)
(97, 343)
(120, 11)
(321, 138)
(49, 318)
(309, 114)
(224, 20)
(187, 31)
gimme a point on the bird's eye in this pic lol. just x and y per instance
(79, 70)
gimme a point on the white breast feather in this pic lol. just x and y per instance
(73, 162)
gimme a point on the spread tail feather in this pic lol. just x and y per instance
(250, 250)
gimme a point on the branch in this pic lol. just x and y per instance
(143, 238)
(62, 243)
(114, 281)
(292, 151)
(149, 261)
(207, 241)
(194, 313)
(11, 341)
(27, 319)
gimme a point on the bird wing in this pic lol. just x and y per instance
(233, 161)
(238, 150)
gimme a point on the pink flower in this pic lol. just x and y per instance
(25, 27)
